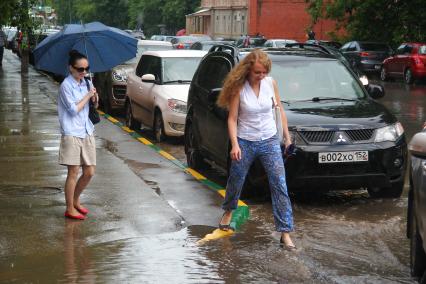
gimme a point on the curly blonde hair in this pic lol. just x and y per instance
(236, 78)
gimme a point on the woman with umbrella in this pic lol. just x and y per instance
(77, 148)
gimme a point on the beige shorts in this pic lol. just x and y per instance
(75, 151)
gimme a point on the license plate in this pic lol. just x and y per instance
(343, 157)
(377, 67)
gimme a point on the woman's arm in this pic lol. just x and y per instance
(286, 134)
(232, 126)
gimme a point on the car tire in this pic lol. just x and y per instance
(394, 191)
(194, 159)
(408, 76)
(131, 122)
(417, 253)
(383, 74)
(158, 127)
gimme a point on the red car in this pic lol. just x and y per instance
(408, 62)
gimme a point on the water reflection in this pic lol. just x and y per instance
(77, 259)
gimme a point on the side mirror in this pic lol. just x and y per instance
(148, 78)
(417, 145)
(375, 91)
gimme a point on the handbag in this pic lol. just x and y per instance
(93, 113)
(278, 121)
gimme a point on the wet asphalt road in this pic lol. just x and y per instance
(137, 236)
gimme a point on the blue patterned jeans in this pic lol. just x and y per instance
(269, 153)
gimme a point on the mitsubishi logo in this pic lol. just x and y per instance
(341, 139)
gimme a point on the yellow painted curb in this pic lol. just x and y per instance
(166, 155)
(195, 174)
(101, 112)
(128, 130)
(222, 192)
(113, 120)
(144, 141)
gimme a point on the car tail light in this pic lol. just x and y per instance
(365, 54)
(180, 46)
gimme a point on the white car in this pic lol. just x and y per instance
(157, 91)
(111, 85)
(278, 42)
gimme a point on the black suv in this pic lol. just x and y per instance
(344, 139)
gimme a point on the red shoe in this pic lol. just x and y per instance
(82, 210)
(76, 217)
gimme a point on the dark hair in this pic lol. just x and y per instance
(75, 56)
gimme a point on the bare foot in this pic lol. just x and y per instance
(225, 221)
(286, 241)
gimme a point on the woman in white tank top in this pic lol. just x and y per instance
(248, 93)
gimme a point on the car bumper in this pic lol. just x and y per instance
(419, 72)
(386, 165)
(370, 65)
(174, 123)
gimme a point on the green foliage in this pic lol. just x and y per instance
(153, 13)
(390, 21)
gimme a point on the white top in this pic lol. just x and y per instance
(255, 117)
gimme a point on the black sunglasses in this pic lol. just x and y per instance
(81, 69)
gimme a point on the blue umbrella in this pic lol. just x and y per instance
(104, 46)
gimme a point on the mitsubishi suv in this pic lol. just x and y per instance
(344, 138)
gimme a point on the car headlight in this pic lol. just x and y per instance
(119, 76)
(177, 105)
(389, 133)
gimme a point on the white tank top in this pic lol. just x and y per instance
(255, 118)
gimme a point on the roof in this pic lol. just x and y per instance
(202, 12)
(153, 42)
(177, 53)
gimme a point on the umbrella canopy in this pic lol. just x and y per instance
(181, 32)
(104, 46)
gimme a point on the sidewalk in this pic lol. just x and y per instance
(133, 184)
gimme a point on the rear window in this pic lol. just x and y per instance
(374, 46)
(422, 49)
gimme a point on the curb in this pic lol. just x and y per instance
(239, 215)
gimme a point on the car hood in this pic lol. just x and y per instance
(364, 113)
(172, 91)
(127, 68)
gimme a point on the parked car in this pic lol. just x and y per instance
(183, 42)
(408, 62)
(416, 214)
(366, 56)
(162, 37)
(157, 91)
(206, 45)
(278, 42)
(330, 43)
(112, 85)
(344, 138)
(251, 41)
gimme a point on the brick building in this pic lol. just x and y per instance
(271, 18)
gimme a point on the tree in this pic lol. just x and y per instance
(390, 21)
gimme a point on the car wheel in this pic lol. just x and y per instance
(408, 76)
(394, 191)
(158, 128)
(131, 122)
(417, 253)
(383, 74)
(194, 158)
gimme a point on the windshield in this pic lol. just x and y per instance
(143, 48)
(304, 80)
(179, 68)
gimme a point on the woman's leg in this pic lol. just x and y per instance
(272, 161)
(70, 187)
(236, 178)
(83, 181)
